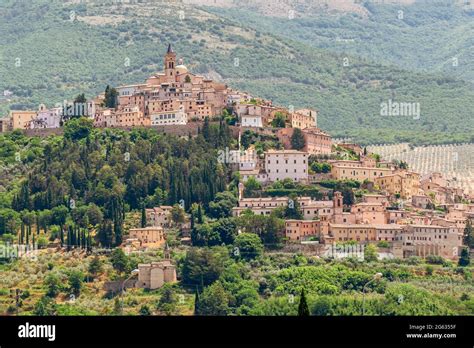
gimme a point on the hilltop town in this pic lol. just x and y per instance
(273, 164)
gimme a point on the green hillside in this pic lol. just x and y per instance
(66, 49)
(425, 36)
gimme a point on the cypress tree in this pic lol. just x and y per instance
(199, 217)
(196, 302)
(89, 241)
(62, 236)
(468, 238)
(303, 309)
(22, 233)
(38, 225)
(28, 231)
(143, 222)
(206, 131)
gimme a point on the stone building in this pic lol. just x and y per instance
(154, 275)
(159, 216)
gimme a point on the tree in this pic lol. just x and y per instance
(75, 280)
(468, 237)
(53, 285)
(145, 310)
(203, 266)
(119, 260)
(105, 233)
(249, 245)
(465, 258)
(292, 210)
(77, 129)
(348, 197)
(303, 309)
(370, 253)
(177, 214)
(226, 228)
(214, 300)
(251, 185)
(167, 302)
(95, 266)
(196, 302)
(222, 205)
(322, 306)
(46, 306)
(200, 218)
(279, 121)
(143, 219)
(297, 139)
(81, 98)
(111, 95)
(206, 132)
(271, 229)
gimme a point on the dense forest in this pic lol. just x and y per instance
(88, 179)
(63, 49)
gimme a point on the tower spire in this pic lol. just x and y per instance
(170, 50)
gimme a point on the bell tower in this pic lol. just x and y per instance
(170, 64)
(337, 207)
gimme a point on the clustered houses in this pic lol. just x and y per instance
(409, 233)
(176, 96)
(172, 97)
(47, 118)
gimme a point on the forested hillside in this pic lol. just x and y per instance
(423, 36)
(63, 49)
(91, 177)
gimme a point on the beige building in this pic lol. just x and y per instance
(176, 117)
(282, 164)
(344, 172)
(21, 119)
(374, 198)
(420, 201)
(148, 236)
(317, 142)
(303, 119)
(369, 213)
(351, 232)
(154, 275)
(131, 116)
(311, 209)
(403, 183)
(423, 240)
(5, 124)
(387, 232)
(299, 230)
